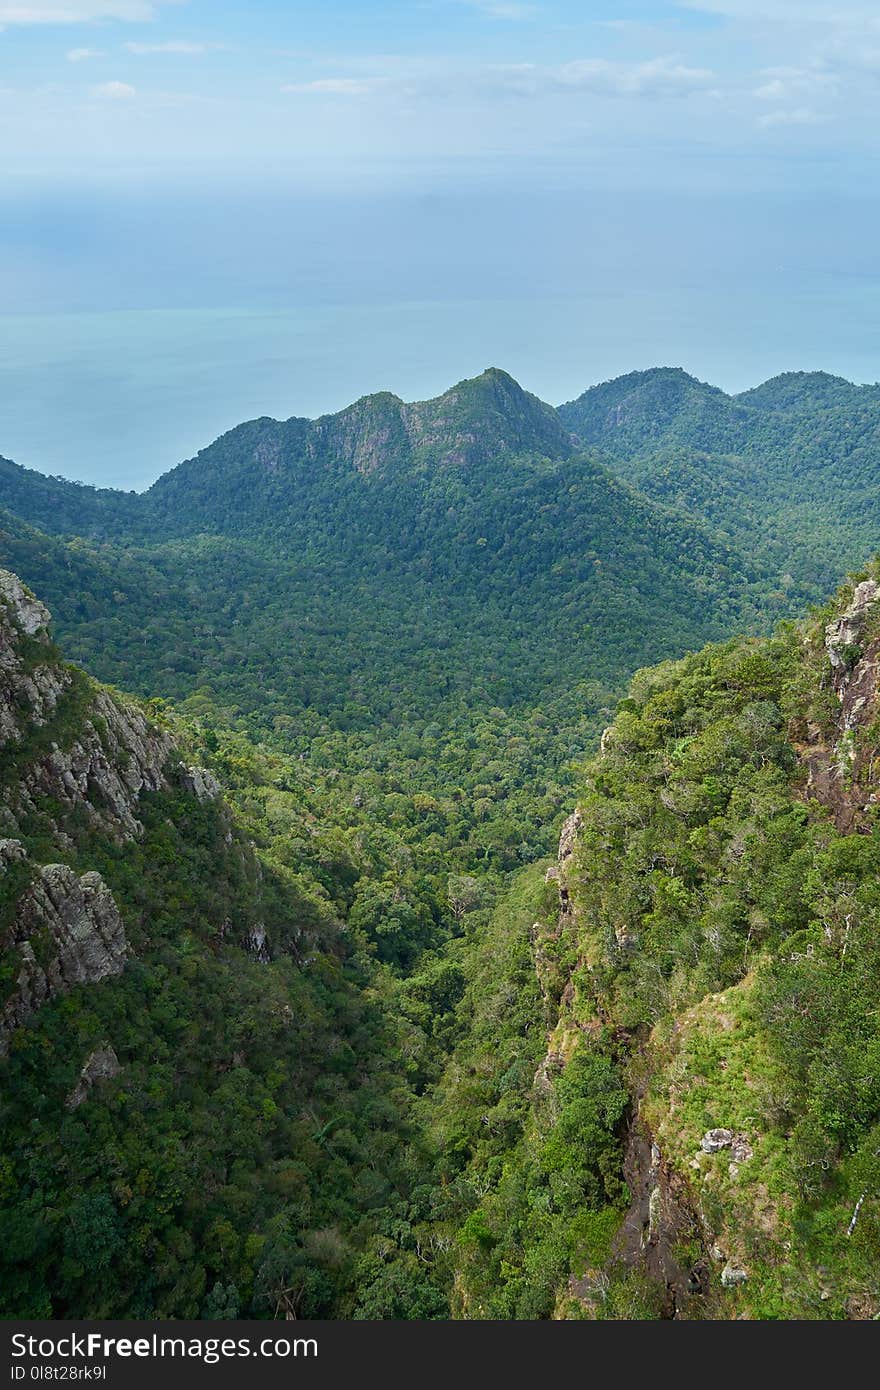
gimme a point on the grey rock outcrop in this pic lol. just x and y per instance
(846, 632)
(29, 689)
(200, 783)
(100, 1065)
(714, 1140)
(67, 931)
(568, 836)
(28, 613)
(117, 756)
(733, 1274)
(257, 945)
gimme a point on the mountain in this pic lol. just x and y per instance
(642, 1084)
(785, 472)
(184, 1021)
(644, 411)
(385, 568)
(711, 988)
(808, 391)
(303, 1011)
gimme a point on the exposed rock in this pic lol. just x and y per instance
(568, 837)
(716, 1139)
(29, 689)
(257, 944)
(659, 1219)
(843, 635)
(117, 756)
(67, 932)
(839, 769)
(550, 1067)
(11, 852)
(200, 783)
(741, 1150)
(591, 1289)
(733, 1274)
(100, 1065)
(29, 614)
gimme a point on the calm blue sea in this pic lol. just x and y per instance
(101, 381)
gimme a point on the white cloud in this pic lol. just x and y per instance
(664, 76)
(800, 116)
(336, 86)
(786, 83)
(73, 11)
(82, 55)
(180, 46)
(114, 91)
(785, 11)
(503, 9)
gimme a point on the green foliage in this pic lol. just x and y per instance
(394, 635)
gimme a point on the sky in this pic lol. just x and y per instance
(211, 209)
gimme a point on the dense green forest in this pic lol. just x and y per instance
(379, 1055)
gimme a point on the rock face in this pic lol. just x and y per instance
(568, 836)
(100, 770)
(844, 635)
(116, 757)
(29, 688)
(733, 1274)
(76, 760)
(100, 1065)
(838, 770)
(27, 612)
(200, 783)
(67, 931)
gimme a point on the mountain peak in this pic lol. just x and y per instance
(642, 408)
(792, 391)
(484, 417)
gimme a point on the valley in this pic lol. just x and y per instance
(307, 1010)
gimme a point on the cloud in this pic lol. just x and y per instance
(785, 11)
(783, 84)
(73, 11)
(180, 46)
(502, 9)
(82, 55)
(657, 77)
(336, 86)
(800, 116)
(113, 91)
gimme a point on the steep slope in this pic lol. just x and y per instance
(200, 1107)
(247, 477)
(716, 950)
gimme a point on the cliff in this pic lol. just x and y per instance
(718, 884)
(75, 761)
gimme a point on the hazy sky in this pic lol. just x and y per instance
(212, 208)
(336, 91)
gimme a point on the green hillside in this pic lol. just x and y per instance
(349, 1040)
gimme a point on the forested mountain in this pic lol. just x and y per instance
(303, 1011)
